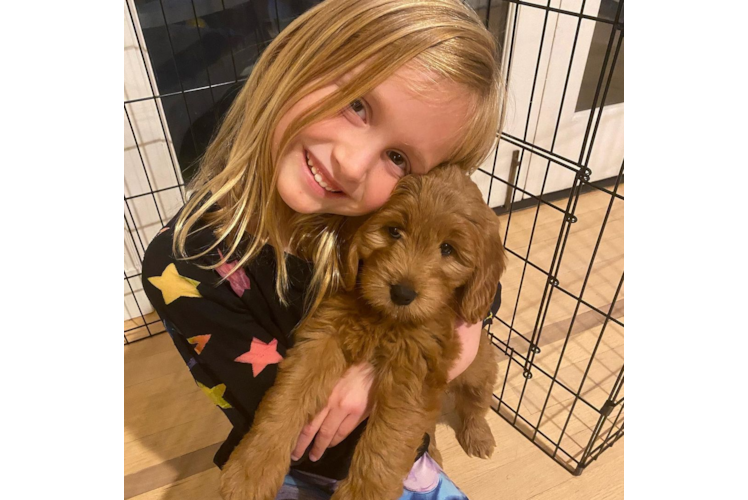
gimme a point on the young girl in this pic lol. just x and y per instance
(348, 99)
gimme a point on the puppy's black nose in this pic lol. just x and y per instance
(402, 295)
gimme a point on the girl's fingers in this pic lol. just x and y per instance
(308, 433)
(346, 427)
(327, 431)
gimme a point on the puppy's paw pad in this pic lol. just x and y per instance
(476, 439)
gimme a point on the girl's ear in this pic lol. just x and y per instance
(480, 290)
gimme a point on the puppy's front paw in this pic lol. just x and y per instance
(343, 491)
(476, 438)
(235, 483)
(250, 476)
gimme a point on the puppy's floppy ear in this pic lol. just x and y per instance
(352, 251)
(350, 266)
(480, 290)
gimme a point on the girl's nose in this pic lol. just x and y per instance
(354, 161)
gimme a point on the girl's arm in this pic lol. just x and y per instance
(470, 337)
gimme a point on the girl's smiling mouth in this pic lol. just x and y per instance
(320, 175)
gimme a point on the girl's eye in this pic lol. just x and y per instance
(447, 249)
(397, 159)
(394, 232)
(358, 107)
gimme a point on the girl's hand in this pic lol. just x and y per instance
(470, 337)
(348, 406)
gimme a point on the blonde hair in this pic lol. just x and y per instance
(444, 37)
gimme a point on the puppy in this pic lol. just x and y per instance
(431, 254)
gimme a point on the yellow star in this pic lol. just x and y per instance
(216, 394)
(173, 285)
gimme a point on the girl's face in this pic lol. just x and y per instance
(348, 164)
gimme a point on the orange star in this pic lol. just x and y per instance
(260, 355)
(199, 342)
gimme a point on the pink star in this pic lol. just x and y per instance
(239, 280)
(260, 355)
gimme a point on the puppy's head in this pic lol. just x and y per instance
(434, 245)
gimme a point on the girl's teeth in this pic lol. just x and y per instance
(317, 176)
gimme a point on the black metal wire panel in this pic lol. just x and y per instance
(572, 418)
(195, 56)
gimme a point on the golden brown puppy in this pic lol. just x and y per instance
(431, 254)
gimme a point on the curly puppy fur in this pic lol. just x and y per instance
(431, 254)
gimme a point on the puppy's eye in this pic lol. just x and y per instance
(394, 232)
(447, 249)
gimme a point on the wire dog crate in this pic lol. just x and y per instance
(555, 178)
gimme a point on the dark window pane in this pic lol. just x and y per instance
(595, 59)
(194, 44)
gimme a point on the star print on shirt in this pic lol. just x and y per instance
(173, 285)
(260, 355)
(199, 342)
(216, 394)
(238, 280)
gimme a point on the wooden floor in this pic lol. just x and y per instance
(172, 430)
